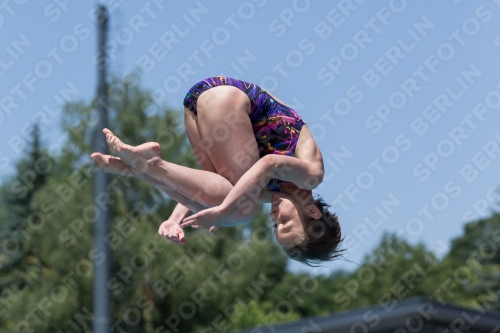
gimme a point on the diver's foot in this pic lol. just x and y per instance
(111, 164)
(133, 155)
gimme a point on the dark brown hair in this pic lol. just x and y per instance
(321, 241)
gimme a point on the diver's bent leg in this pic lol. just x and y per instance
(202, 186)
(114, 165)
(224, 126)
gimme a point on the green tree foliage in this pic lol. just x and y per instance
(155, 285)
(234, 279)
(395, 270)
(19, 266)
(475, 260)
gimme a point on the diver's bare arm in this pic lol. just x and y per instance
(248, 188)
(179, 213)
(286, 168)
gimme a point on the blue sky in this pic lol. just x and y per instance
(402, 96)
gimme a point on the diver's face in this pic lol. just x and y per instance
(286, 215)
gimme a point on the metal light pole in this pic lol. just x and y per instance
(101, 307)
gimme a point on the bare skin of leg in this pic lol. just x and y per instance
(226, 131)
(115, 165)
(205, 187)
(171, 231)
(225, 136)
(201, 148)
(223, 124)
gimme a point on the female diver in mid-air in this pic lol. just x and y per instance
(251, 147)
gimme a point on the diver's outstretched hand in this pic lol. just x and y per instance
(172, 231)
(209, 218)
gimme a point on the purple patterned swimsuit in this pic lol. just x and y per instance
(276, 127)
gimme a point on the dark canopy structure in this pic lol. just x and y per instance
(415, 315)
